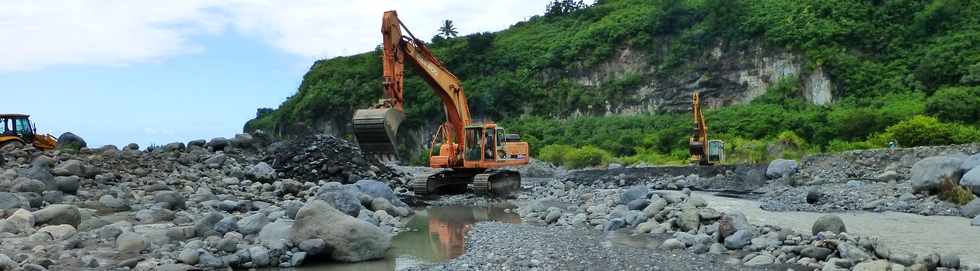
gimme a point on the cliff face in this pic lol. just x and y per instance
(724, 75)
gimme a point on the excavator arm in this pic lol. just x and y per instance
(376, 128)
(698, 143)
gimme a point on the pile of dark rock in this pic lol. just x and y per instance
(327, 158)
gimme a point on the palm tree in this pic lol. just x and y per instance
(448, 30)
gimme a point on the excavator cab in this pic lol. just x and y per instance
(716, 151)
(17, 129)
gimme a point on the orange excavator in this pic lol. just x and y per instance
(703, 151)
(473, 154)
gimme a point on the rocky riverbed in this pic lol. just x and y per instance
(223, 203)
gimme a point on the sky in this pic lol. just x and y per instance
(155, 72)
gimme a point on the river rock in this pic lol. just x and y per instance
(879, 265)
(21, 221)
(58, 214)
(12, 201)
(634, 193)
(252, 224)
(929, 173)
(949, 261)
(971, 180)
(688, 219)
(131, 242)
(732, 222)
(831, 223)
(852, 252)
(274, 232)
(654, 207)
(976, 221)
(781, 168)
(217, 143)
(68, 185)
(112, 203)
(638, 204)
(69, 168)
(260, 255)
(59, 232)
(170, 199)
(819, 253)
(351, 239)
(71, 140)
(377, 189)
(262, 172)
(671, 244)
(341, 197)
(761, 259)
(970, 163)
(738, 240)
(929, 260)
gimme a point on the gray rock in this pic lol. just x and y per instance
(218, 143)
(130, 242)
(654, 207)
(949, 261)
(174, 147)
(230, 242)
(813, 196)
(275, 231)
(28, 185)
(170, 200)
(90, 261)
(929, 260)
(819, 253)
(312, 246)
(852, 252)
(382, 204)
(970, 163)
(688, 219)
(12, 201)
(58, 214)
(708, 215)
(377, 189)
(252, 224)
(554, 214)
(889, 175)
(732, 222)
(210, 261)
(761, 259)
(6, 263)
(831, 223)
(634, 193)
(738, 240)
(197, 143)
(879, 265)
(113, 203)
(132, 146)
(260, 256)
(205, 226)
(262, 172)
(38, 172)
(637, 204)
(69, 185)
(976, 221)
(671, 244)
(717, 248)
(614, 224)
(351, 240)
(929, 173)
(902, 258)
(781, 168)
(971, 180)
(297, 258)
(971, 209)
(226, 225)
(70, 168)
(71, 140)
(189, 256)
(342, 198)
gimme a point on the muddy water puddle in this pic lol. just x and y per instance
(437, 234)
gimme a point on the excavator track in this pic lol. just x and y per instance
(420, 185)
(497, 183)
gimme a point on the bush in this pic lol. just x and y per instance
(555, 153)
(955, 104)
(925, 131)
(950, 191)
(587, 156)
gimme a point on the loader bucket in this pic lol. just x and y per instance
(376, 131)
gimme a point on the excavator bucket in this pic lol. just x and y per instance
(376, 131)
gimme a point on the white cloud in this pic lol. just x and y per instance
(39, 34)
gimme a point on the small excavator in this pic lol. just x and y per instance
(17, 130)
(703, 151)
(473, 154)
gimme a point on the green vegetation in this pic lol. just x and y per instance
(903, 70)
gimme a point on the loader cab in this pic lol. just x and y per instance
(16, 125)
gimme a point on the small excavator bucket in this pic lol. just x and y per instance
(376, 131)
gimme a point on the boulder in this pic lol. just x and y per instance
(654, 207)
(58, 214)
(781, 168)
(976, 221)
(12, 201)
(739, 239)
(242, 141)
(671, 244)
(351, 240)
(218, 143)
(22, 184)
(112, 203)
(21, 221)
(688, 219)
(70, 168)
(929, 173)
(879, 265)
(132, 147)
(638, 204)
(831, 223)
(971, 209)
(732, 222)
(72, 141)
(341, 197)
(852, 252)
(819, 253)
(170, 200)
(226, 225)
(971, 180)
(274, 232)
(131, 243)
(260, 255)
(377, 189)
(634, 193)
(197, 143)
(761, 259)
(262, 172)
(174, 147)
(205, 226)
(970, 163)
(58, 232)
(312, 246)
(813, 196)
(68, 185)
(252, 224)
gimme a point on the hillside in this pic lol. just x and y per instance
(613, 79)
